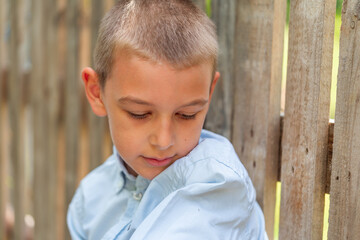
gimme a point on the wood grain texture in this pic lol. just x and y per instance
(305, 136)
(3, 21)
(344, 218)
(72, 102)
(61, 212)
(53, 115)
(96, 124)
(329, 154)
(2, 99)
(15, 119)
(40, 120)
(256, 107)
(220, 112)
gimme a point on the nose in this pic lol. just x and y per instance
(162, 136)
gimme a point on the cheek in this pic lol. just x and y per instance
(188, 144)
(126, 142)
(190, 137)
(123, 134)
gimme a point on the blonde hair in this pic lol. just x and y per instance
(171, 31)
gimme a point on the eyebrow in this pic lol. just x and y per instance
(130, 99)
(197, 102)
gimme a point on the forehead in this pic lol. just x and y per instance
(130, 68)
(158, 83)
(127, 53)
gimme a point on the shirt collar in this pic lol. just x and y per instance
(127, 180)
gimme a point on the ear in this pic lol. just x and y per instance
(93, 91)
(213, 84)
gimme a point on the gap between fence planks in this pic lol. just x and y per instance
(344, 216)
(305, 135)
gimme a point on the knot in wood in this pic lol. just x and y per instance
(352, 24)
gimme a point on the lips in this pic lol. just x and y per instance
(158, 162)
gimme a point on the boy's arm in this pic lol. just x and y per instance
(220, 205)
(75, 215)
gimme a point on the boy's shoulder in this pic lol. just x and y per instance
(213, 160)
(220, 151)
(106, 178)
(208, 190)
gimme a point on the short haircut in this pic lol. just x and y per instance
(172, 31)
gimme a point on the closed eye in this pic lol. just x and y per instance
(138, 116)
(187, 116)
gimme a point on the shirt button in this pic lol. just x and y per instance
(137, 196)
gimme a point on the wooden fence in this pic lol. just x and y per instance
(50, 139)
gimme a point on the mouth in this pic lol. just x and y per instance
(158, 162)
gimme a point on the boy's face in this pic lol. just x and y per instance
(155, 112)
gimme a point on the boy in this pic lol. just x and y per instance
(167, 179)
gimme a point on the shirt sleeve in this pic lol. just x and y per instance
(215, 203)
(75, 216)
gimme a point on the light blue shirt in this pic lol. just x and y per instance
(204, 195)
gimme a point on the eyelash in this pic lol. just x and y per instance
(138, 116)
(143, 116)
(187, 117)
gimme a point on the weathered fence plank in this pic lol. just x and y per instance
(274, 107)
(53, 114)
(40, 121)
(15, 119)
(251, 41)
(2, 182)
(220, 111)
(344, 219)
(72, 103)
(328, 158)
(256, 120)
(61, 166)
(2, 99)
(96, 124)
(2, 177)
(305, 136)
